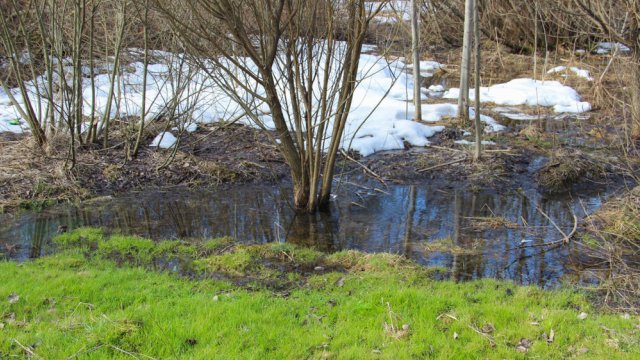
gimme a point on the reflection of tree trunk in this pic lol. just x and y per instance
(409, 225)
(314, 230)
(37, 239)
(456, 235)
(147, 219)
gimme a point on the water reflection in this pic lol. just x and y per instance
(402, 220)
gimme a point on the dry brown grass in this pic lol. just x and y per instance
(612, 243)
(29, 177)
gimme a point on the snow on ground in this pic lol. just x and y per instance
(530, 92)
(467, 142)
(435, 90)
(577, 71)
(427, 68)
(609, 47)
(392, 12)
(165, 140)
(514, 113)
(380, 118)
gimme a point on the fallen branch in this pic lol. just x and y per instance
(442, 165)
(29, 351)
(566, 238)
(364, 167)
(492, 342)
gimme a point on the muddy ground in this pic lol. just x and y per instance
(556, 156)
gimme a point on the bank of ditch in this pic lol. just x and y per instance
(113, 296)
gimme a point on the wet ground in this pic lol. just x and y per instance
(472, 234)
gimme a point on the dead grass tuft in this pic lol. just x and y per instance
(612, 243)
(567, 170)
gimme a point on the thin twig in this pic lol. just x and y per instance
(487, 336)
(364, 167)
(442, 165)
(26, 349)
(566, 238)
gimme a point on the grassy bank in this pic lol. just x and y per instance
(101, 298)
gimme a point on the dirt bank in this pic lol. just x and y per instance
(555, 159)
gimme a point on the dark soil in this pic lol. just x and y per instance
(208, 158)
(555, 159)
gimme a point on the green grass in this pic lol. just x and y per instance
(80, 238)
(73, 304)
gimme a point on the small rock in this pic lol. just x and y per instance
(488, 328)
(405, 327)
(455, 336)
(524, 345)
(13, 298)
(319, 268)
(525, 342)
(583, 315)
(216, 298)
(340, 282)
(582, 351)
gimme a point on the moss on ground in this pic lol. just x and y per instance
(377, 306)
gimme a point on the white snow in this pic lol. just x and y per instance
(367, 48)
(165, 140)
(377, 121)
(435, 89)
(514, 113)
(529, 92)
(427, 67)
(391, 12)
(579, 72)
(466, 142)
(380, 118)
(5, 126)
(10, 120)
(608, 47)
(189, 128)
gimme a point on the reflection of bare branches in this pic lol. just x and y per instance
(566, 237)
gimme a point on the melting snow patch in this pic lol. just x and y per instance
(376, 139)
(579, 72)
(192, 127)
(380, 117)
(466, 142)
(435, 90)
(367, 48)
(165, 140)
(608, 47)
(529, 92)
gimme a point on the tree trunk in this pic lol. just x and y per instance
(463, 99)
(415, 45)
(476, 26)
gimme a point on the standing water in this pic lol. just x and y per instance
(473, 234)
